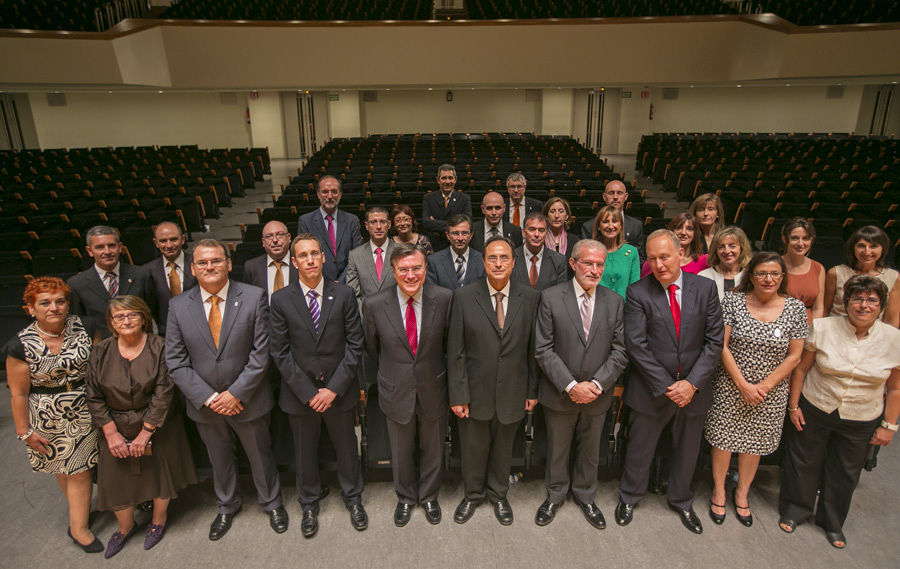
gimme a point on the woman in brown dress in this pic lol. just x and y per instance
(131, 398)
(805, 277)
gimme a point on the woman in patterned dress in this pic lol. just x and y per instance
(764, 333)
(403, 221)
(45, 369)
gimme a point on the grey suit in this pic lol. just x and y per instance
(659, 358)
(493, 372)
(238, 365)
(565, 355)
(159, 272)
(634, 232)
(90, 297)
(442, 269)
(308, 361)
(552, 271)
(412, 389)
(347, 237)
(361, 275)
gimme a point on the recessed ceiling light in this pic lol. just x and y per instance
(739, 85)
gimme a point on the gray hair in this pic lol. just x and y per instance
(665, 233)
(98, 230)
(446, 168)
(587, 244)
(516, 177)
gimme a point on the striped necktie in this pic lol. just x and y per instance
(113, 285)
(460, 269)
(314, 308)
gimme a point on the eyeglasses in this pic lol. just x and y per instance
(274, 236)
(872, 300)
(311, 255)
(502, 259)
(210, 263)
(459, 233)
(774, 275)
(119, 318)
(588, 265)
(417, 270)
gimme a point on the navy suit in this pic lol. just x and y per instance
(90, 297)
(347, 237)
(433, 207)
(442, 269)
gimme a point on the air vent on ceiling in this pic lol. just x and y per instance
(671, 93)
(834, 92)
(56, 99)
(228, 98)
(370, 96)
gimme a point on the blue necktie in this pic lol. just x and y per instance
(314, 308)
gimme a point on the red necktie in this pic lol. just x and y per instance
(331, 236)
(379, 263)
(533, 274)
(411, 334)
(516, 218)
(676, 310)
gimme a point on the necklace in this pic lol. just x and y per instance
(45, 333)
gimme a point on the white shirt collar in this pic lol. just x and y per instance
(677, 282)
(465, 255)
(505, 290)
(529, 254)
(102, 272)
(579, 290)
(318, 288)
(383, 246)
(223, 293)
(179, 261)
(286, 259)
(403, 298)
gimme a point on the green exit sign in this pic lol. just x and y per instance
(334, 97)
(626, 94)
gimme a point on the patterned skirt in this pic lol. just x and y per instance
(64, 420)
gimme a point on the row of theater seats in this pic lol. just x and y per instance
(306, 10)
(531, 9)
(830, 12)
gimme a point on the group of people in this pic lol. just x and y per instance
(482, 319)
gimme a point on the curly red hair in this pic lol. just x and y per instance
(44, 284)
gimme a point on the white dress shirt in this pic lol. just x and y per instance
(270, 273)
(465, 258)
(511, 207)
(179, 268)
(102, 274)
(488, 227)
(579, 290)
(333, 222)
(529, 255)
(505, 290)
(318, 288)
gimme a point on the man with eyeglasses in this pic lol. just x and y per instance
(316, 341)
(459, 264)
(272, 271)
(367, 269)
(406, 331)
(519, 205)
(337, 230)
(217, 350)
(491, 376)
(536, 265)
(493, 206)
(170, 272)
(580, 346)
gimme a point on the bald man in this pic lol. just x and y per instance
(170, 272)
(616, 195)
(493, 207)
(273, 270)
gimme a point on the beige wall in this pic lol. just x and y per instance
(556, 111)
(134, 119)
(634, 121)
(267, 123)
(343, 115)
(485, 110)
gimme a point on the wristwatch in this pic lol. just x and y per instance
(889, 426)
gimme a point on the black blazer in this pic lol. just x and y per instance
(90, 297)
(404, 378)
(442, 269)
(509, 231)
(656, 352)
(347, 237)
(433, 207)
(634, 232)
(160, 275)
(256, 272)
(553, 269)
(308, 360)
(492, 371)
(531, 205)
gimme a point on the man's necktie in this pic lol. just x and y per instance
(314, 308)
(586, 314)
(215, 319)
(460, 269)
(446, 201)
(494, 232)
(113, 286)
(174, 281)
(676, 310)
(278, 284)
(379, 263)
(331, 237)
(516, 219)
(411, 334)
(501, 318)
(533, 273)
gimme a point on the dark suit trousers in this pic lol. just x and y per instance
(486, 450)
(403, 463)
(307, 429)
(829, 450)
(588, 430)
(254, 436)
(687, 431)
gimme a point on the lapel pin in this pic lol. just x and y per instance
(330, 298)
(129, 280)
(235, 303)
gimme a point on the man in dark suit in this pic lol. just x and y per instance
(367, 270)
(108, 277)
(406, 334)
(616, 195)
(337, 230)
(491, 376)
(316, 341)
(438, 206)
(519, 206)
(537, 266)
(493, 224)
(217, 351)
(171, 271)
(579, 344)
(674, 353)
(273, 270)
(459, 264)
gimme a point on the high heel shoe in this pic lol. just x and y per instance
(94, 547)
(717, 519)
(747, 521)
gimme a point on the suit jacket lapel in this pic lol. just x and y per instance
(232, 307)
(126, 278)
(198, 315)
(512, 307)
(325, 305)
(660, 297)
(392, 312)
(427, 312)
(570, 301)
(483, 298)
(302, 308)
(97, 286)
(386, 258)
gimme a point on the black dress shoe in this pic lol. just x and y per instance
(309, 525)
(278, 519)
(402, 514)
(689, 519)
(546, 512)
(592, 514)
(432, 512)
(624, 513)
(358, 517)
(221, 524)
(95, 546)
(503, 511)
(746, 521)
(464, 511)
(325, 492)
(717, 519)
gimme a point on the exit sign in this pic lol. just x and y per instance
(334, 97)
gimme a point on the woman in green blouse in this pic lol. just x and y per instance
(623, 266)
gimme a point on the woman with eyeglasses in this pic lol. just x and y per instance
(805, 277)
(728, 257)
(403, 223)
(866, 254)
(145, 454)
(838, 408)
(623, 265)
(45, 368)
(764, 332)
